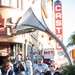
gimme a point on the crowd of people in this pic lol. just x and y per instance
(16, 68)
(44, 69)
(20, 67)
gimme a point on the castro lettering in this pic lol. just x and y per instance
(58, 22)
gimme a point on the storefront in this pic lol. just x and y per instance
(9, 47)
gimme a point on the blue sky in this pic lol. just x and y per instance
(68, 17)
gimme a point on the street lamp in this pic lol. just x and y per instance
(25, 51)
(32, 19)
(32, 55)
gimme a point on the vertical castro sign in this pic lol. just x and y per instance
(58, 22)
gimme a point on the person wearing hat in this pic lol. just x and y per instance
(40, 68)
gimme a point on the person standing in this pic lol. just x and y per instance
(29, 69)
(40, 68)
(9, 68)
(19, 66)
(52, 69)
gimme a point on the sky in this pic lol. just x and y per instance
(68, 19)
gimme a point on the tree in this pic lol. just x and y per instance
(68, 70)
(71, 40)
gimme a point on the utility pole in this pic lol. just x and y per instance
(32, 59)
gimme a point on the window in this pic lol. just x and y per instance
(13, 3)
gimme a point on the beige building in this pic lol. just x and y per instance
(11, 43)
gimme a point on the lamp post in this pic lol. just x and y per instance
(25, 49)
(32, 59)
(32, 19)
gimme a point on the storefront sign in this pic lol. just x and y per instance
(17, 39)
(58, 23)
(49, 53)
(73, 53)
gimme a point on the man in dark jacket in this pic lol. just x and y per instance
(19, 66)
(57, 72)
(48, 73)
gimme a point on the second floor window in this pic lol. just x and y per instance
(13, 3)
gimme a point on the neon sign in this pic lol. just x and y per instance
(58, 22)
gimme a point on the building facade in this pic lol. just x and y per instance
(10, 44)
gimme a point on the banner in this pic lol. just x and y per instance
(73, 53)
(49, 53)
